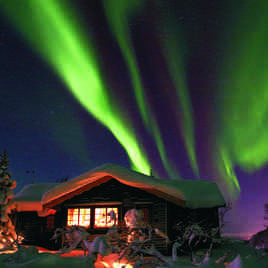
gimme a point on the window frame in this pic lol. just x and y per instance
(105, 227)
(148, 207)
(50, 222)
(92, 208)
(79, 208)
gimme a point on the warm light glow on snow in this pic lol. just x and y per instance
(117, 265)
(112, 261)
(121, 265)
(102, 219)
(105, 264)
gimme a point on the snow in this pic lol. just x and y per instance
(195, 193)
(29, 198)
(29, 257)
(232, 254)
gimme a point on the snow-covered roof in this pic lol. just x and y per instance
(30, 196)
(188, 193)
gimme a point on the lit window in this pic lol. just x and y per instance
(103, 217)
(78, 216)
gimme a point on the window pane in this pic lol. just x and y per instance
(145, 214)
(101, 217)
(78, 216)
(84, 217)
(50, 221)
(110, 222)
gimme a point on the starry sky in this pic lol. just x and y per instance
(184, 79)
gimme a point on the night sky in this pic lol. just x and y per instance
(202, 69)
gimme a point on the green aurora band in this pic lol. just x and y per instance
(54, 32)
(228, 181)
(119, 16)
(243, 113)
(172, 49)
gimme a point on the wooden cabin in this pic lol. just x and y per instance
(87, 199)
(30, 219)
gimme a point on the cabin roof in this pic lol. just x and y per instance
(187, 193)
(30, 196)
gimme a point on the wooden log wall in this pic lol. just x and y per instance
(30, 226)
(163, 214)
(159, 221)
(206, 217)
(130, 197)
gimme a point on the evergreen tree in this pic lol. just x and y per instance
(7, 230)
(266, 214)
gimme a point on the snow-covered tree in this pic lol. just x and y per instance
(7, 230)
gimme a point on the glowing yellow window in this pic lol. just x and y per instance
(78, 216)
(103, 217)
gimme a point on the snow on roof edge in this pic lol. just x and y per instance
(30, 196)
(196, 193)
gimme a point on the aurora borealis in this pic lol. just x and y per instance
(176, 87)
(72, 56)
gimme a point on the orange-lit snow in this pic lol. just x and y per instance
(232, 254)
(196, 193)
(30, 196)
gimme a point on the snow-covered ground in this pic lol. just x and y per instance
(232, 254)
(45, 258)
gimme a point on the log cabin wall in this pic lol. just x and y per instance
(206, 217)
(30, 226)
(111, 191)
(159, 221)
(127, 198)
(162, 215)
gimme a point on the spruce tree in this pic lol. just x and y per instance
(7, 230)
(266, 214)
